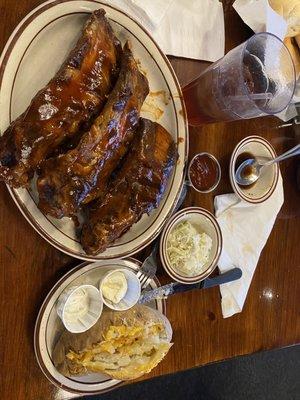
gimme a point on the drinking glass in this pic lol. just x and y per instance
(256, 78)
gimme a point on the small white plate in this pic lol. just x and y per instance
(49, 326)
(33, 54)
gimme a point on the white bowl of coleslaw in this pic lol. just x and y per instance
(190, 245)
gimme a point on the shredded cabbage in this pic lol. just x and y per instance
(188, 250)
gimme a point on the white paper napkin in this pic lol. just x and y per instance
(193, 29)
(260, 17)
(245, 229)
(155, 9)
(148, 13)
(183, 28)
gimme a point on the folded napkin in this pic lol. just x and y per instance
(183, 28)
(245, 229)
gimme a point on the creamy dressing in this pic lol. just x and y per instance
(77, 306)
(114, 287)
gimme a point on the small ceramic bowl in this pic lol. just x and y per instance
(133, 290)
(218, 178)
(203, 221)
(264, 187)
(85, 321)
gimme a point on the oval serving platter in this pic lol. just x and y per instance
(49, 327)
(31, 57)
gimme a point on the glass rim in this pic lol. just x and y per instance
(248, 94)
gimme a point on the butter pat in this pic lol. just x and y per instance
(114, 287)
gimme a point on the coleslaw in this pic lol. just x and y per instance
(187, 249)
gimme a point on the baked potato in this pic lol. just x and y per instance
(122, 344)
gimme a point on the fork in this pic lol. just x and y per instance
(149, 267)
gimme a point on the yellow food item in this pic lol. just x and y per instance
(114, 287)
(290, 11)
(292, 45)
(124, 345)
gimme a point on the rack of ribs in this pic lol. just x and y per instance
(136, 189)
(79, 176)
(65, 106)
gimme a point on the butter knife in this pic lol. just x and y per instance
(176, 287)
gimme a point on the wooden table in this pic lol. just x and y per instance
(30, 266)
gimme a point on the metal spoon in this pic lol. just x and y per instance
(249, 171)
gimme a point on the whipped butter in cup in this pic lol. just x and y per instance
(120, 289)
(79, 307)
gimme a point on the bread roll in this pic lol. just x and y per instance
(290, 11)
(122, 344)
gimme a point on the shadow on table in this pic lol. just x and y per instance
(270, 375)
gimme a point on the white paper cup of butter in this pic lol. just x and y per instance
(120, 289)
(79, 307)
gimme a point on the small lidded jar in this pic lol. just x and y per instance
(204, 172)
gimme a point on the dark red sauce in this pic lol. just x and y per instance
(204, 172)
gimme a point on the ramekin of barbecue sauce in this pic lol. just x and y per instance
(204, 172)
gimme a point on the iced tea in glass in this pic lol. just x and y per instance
(256, 78)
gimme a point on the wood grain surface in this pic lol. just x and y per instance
(30, 266)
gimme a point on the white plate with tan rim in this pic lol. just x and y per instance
(203, 221)
(33, 54)
(261, 190)
(49, 327)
